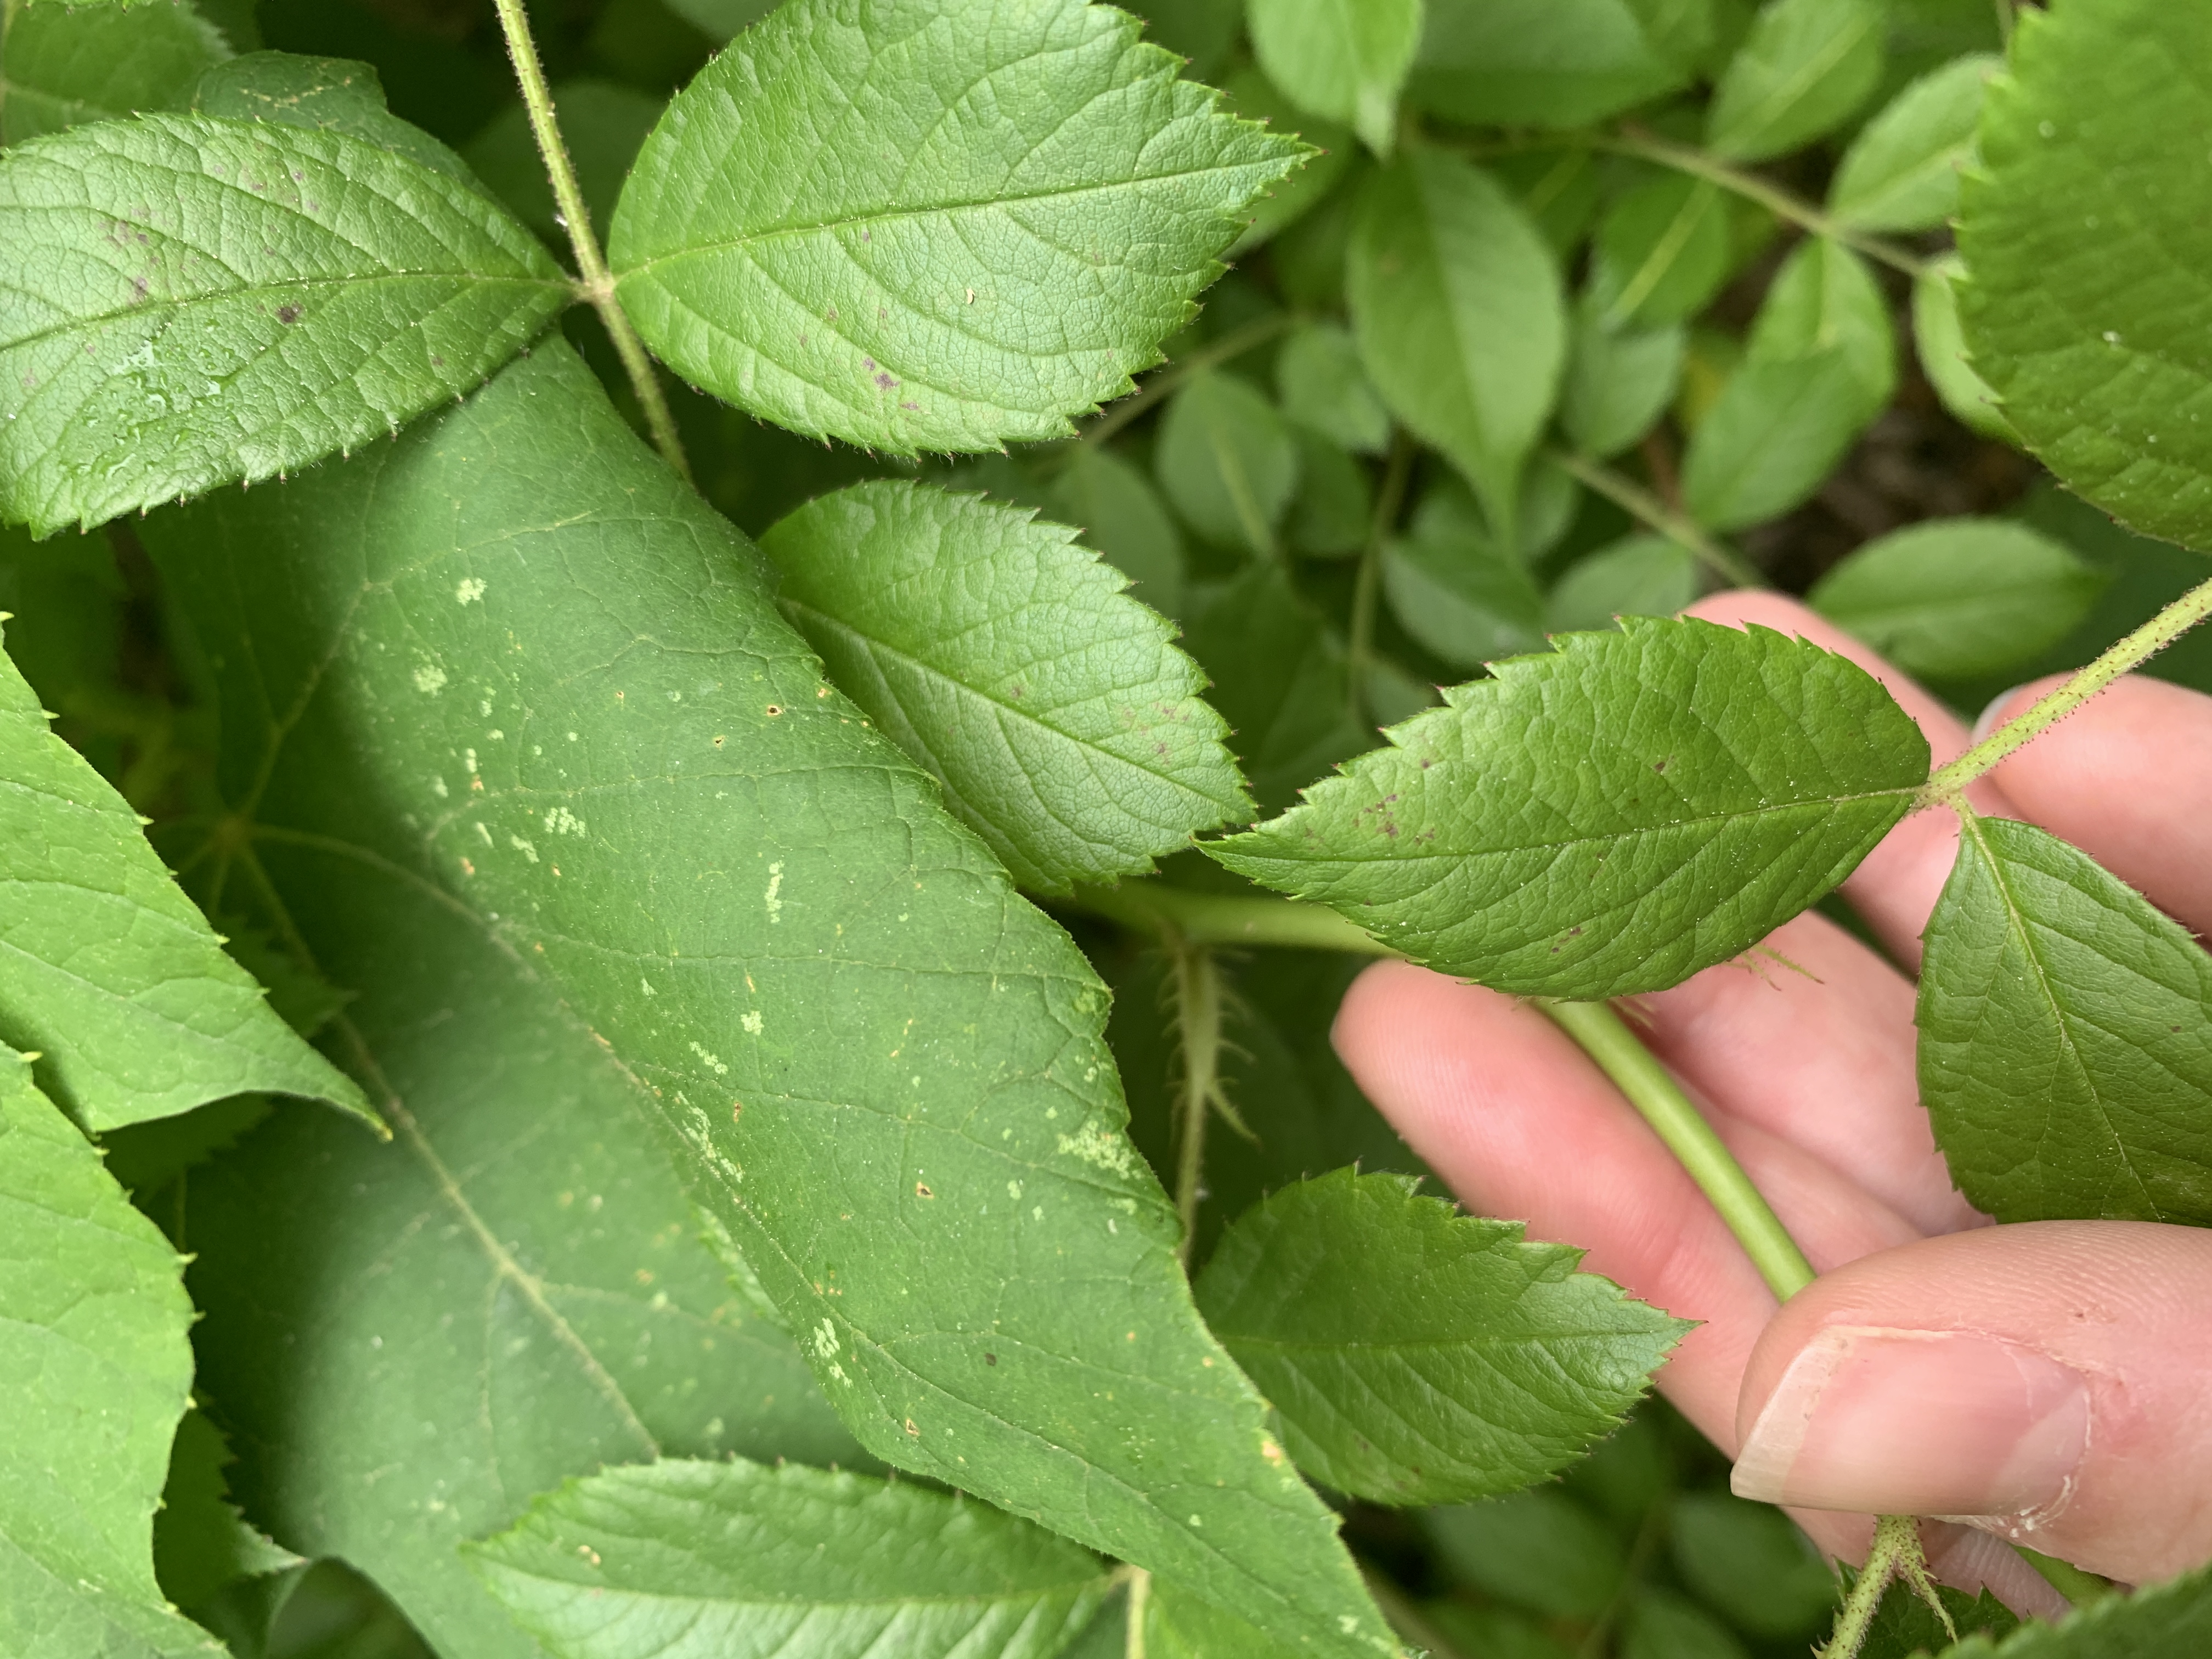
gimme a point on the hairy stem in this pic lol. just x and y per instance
(1389, 502)
(1896, 1554)
(598, 282)
(1949, 782)
(1684, 158)
(1198, 1018)
(1648, 510)
(1605, 1037)
(1232, 345)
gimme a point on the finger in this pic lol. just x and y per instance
(2045, 1380)
(1810, 1039)
(1521, 1124)
(1896, 886)
(2124, 779)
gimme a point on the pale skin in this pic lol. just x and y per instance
(2045, 1379)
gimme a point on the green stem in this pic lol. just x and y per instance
(1198, 1017)
(1950, 782)
(1219, 919)
(1233, 345)
(597, 283)
(1134, 1612)
(1648, 510)
(1389, 502)
(2004, 21)
(1896, 1554)
(1653, 1091)
(1683, 158)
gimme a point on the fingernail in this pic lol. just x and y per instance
(1889, 1422)
(1988, 722)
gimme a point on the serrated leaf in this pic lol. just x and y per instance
(2172, 1620)
(1804, 68)
(1324, 387)
(1491, 1364)
(1610, 818)
(835, 227)
(109, 973)
(1662, 251)
(1228, 461)
(1901, 172)
(1253, 96)
(720, 19)
(1543, 62)
(1957, 598)
(1455, 300)
(738, 1560)
(64, 64)
(1461, 600)
(2090, 255)
(1279, 679)
(201, 1542)
(1121, 515)
(1903, 1626)
(1620, 382)
(320, 94)
(2066, 1041)
(1942, 346)
(93, 1317)
(1343, 60)
(186, 301)
(1067, 729)
(1640, 576)
(856, 1028)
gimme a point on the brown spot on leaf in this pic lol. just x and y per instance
(288, 314)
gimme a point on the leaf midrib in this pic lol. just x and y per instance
(982, 1601)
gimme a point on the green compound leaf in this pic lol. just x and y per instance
(1068, 731)
(1489, 1364)
(1549, 63)
(2091, 256)
(1957, 599)
(1228, 461)
(1662, 251)
(2066, 1041)
(1122, 516)
(1639, 576)
(1805, 66)
(738, 1560)
(186, 301)
(106, 969)
(1253, 96)
(1467, 602)
(1324, 387)
(323, 95)
(2172, 1620)
(1455, 298)
(886, 1071)
(1902, 171)
(932, 224)
(1620, 382)
(1343, 60)
(1941, 345)
(1609, 818)
(62, 64)
(93, 1317)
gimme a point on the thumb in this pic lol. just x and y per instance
(2043, 1382)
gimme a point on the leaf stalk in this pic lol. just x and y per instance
(1947, 786)
(1389, 502)
(1229, 347)
(595, 286)
(1648, 510)
(1198, 1017)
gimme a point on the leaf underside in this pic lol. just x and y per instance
(539, 676)
(737, 1560)
(187, 302)
(1490, 1365)
(2065, 1044)
(932, 224)
(1067, 729)
(1607, 819)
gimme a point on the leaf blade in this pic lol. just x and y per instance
(1343, 60)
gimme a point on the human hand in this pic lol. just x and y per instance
(2044, 1380)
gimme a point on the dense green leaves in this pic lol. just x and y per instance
(320, 94)
(828, 228)
(1956, 598)
(185, 302)
(1641, 576)
(1618, 382)
(93, 1317)
(738, 1560)
(1067, 732)
(1122, 516)
(1456, 299)
(1552, 63)
(109, 973)
(61, 65)
(1902, 173)
(1465, 599)
(2090, 248)
(1941, 345)
(884, 1069)
(1342, 59)
(1228, 461)
(1324, 387)
(2172, 1620)
(1490, 1364)
(2066, 1041)
(1661, 253)
(1805, 66)
(1609, 818)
